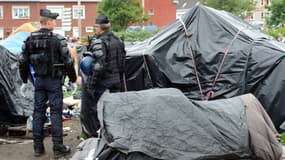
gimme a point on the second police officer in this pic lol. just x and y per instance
(108, 54)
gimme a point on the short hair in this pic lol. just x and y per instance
(44, 20)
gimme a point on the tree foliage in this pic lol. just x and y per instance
(122, 12)
(277, 9)
(241, 8)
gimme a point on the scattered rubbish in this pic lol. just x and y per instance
(66, 129)
(65, 118)
(5, 141)
(30, 122)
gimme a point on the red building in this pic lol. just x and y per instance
(15, 13)
(161, 12)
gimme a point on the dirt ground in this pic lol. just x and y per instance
(24, 149)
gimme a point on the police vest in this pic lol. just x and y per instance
(115, 57)
(41, 49)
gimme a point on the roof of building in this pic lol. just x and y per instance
(186, 4)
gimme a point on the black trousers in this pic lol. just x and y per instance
(48, 89)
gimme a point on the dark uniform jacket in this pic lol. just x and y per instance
(109, 54)
(48, 54)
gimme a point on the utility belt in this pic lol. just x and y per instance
(49, 75)
(112, 76)
(60, 77)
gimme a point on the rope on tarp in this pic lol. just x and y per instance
(188, 35)
(210, 94)
(147, 69)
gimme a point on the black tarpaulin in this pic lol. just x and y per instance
(249, 61)
(164, 124)
(16, 98)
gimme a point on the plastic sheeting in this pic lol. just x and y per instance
(164, 124)
(14, 43)
(16, 98)
(249, 61)
(86, 150)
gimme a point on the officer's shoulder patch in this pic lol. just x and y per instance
(40, 34)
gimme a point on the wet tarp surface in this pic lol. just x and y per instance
(207, 44)
(86, 149)
(16, 98)
(164, 124)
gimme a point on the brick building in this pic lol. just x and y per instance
(160, 12)
(15, 13)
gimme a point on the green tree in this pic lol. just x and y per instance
(122, 13)
(241, 8)
(277, 9)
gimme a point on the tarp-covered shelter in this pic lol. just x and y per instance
(16, 98)
(158, 124)
(211, 54)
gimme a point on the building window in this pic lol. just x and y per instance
(75, 32)
(89, 29)
(1, 12)
(20, 12)
(150, 12)
(1, 34)
(175, 1)
(57, 9)
(78, 11)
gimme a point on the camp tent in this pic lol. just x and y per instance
(16, 98)
(163, 124)
(211, 54)
(207, 54)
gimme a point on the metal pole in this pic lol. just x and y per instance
(143, 11)
(79, 19)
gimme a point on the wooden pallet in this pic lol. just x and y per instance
(24, 132)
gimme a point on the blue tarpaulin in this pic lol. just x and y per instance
(14, 43)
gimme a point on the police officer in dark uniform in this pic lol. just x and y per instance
(50, 58)
(108, 52)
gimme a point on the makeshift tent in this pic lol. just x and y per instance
(163, 124)
(211, 54)
(16, 98)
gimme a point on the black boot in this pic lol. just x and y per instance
(39, 148)
(60, 150)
